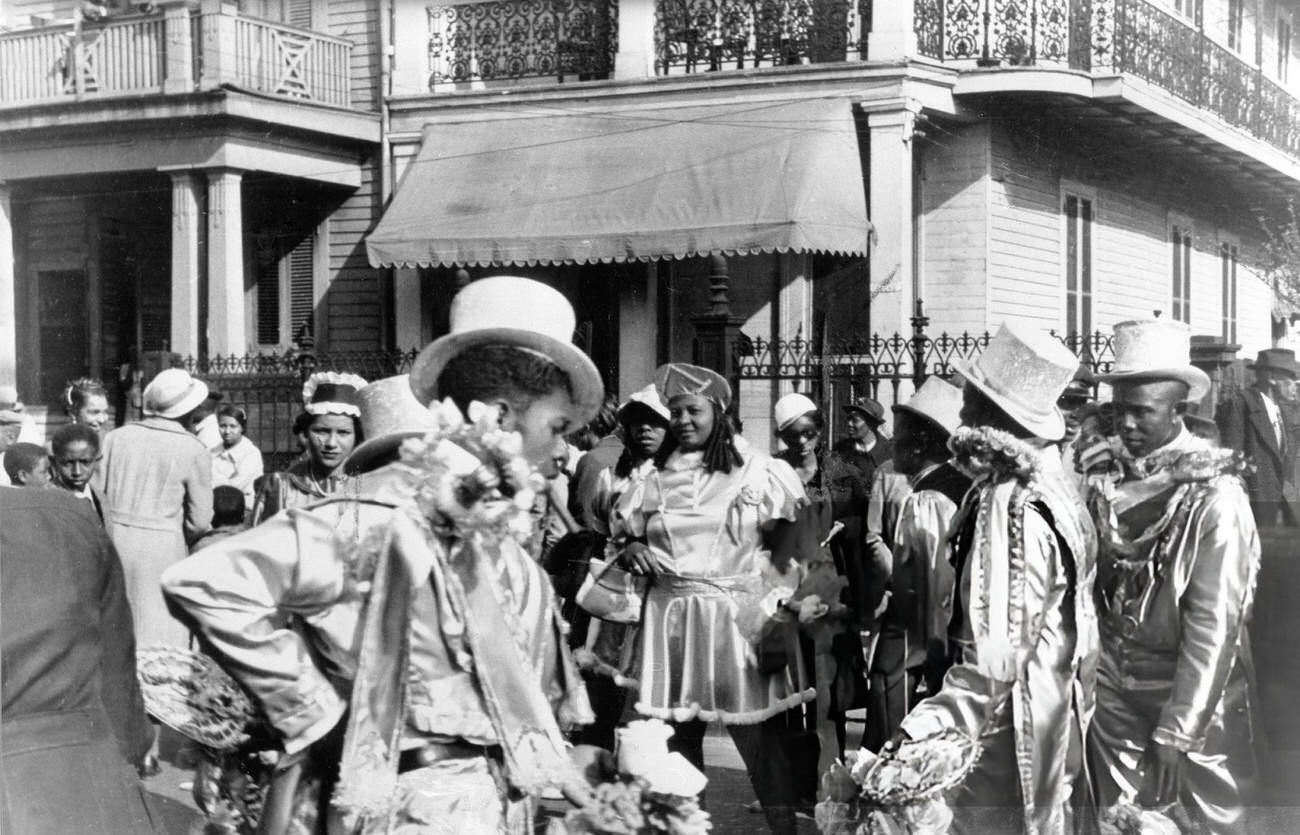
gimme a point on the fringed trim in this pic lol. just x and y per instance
(749, 717)
(367, 786)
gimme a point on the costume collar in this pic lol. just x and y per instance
(925, 471)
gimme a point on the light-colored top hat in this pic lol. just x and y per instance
(518, 312)
(678, 378)
(173, 393)
(1024, 372)
(647, 397)
(389, 415)
(937, 401)
(1156, 349)
(790, 408)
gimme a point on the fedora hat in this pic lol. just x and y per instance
(677, 378)
(790, 408)
(1275, 359)
(1023, 372)
(389, 415)
(519, 312)
(937, 401)
(648, 398)
(868, 408)
(173, 393)
(1156, 349)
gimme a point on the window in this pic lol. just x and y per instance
(1235, 8)
(1181, 238)
(1187, 8)
(1078, 264)
(285, 296)
(1228, 262)
(1283, 48)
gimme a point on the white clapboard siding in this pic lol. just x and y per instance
(954, 231)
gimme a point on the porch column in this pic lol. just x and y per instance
(635, 57)
(8, 314)
(185, 263)
(178, 32)
(889, 204)
(226, 332)
(892, 36)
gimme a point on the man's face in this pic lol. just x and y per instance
(540, 424)
(1281, 386)
(907, 460)
(38, 476)
(1148, 415)
(76, 464)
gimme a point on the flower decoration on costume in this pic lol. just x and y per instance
(472, 474)
(983, 451)
(656, 791)
(1126, 818)
(900, 791)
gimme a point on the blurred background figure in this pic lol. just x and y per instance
(27, 465)
(229, 516)
(72, 718)
(1203, 427)
(75, 459)
(1252, 423)
(85, 402)
(203, 423)
(605, 445)
(15, 412)
(236, 461)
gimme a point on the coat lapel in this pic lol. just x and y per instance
(1259, 419)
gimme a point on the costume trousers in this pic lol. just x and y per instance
(1126, 715)
(892, 691)
(763, 748)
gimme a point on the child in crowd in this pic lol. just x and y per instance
(27, 465)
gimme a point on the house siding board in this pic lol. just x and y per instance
(1024, 237)
(954, 195)
(358, 21)
(353, 303)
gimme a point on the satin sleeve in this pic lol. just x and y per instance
(1215, 600)
(600, 507)
(971, 701)
(921, 554)
(783, 493)
(627, 518)
(242, 593)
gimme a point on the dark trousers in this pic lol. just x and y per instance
(892, 692)
(607, 701)
(763, 749)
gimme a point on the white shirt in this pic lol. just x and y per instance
(1275, 418)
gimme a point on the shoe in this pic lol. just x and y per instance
(754, 807)
(149, 767)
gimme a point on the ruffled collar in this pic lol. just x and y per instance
(983, 452)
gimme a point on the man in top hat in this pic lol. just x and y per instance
(1177, 558)
(1023, 626)
(913, 629)
(404, 638)
(1252, 423)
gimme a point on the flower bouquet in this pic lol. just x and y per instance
(899, 792)
(655, 792)
(1127, 818)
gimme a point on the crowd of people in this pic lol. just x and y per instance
(446, 608)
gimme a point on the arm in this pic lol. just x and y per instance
(1213, 608)
(242, 593)
(198, 496)
(121, 690)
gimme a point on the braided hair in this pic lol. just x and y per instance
(720, 453)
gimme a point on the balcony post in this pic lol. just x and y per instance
(218, 27)
(889, 205)
(226, 331)
(8, 301)
(893, 31)
(179, 77)
(185, 263)
(635, 57)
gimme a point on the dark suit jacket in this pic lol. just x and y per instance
(1244, 426)
(71, 713)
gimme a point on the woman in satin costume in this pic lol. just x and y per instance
(1022, 622)
(407, 627)
(1178, 557)
(696, 524)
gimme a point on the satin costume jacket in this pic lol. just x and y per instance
(1174, 607)
(1026, 632)
(363, 603)
(696, 661)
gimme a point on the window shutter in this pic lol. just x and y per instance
(301, 282)
(268, 304)
(299, 13)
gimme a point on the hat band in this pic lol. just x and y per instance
(167, 404)
(1015, 399)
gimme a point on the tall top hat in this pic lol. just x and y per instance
(517, 312)
(1275, 359)
(389, 415)
(1024, 372)
(937, 401)
(1156, 349)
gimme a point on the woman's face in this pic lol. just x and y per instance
(93, 413)
(858, 427)
(801, 437)
(330, 439)
(691, 421)
(230, 431)
(644, 431)
(540, 424)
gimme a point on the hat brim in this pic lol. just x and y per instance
(663, 415)
(584, 380)
(878, 420)
(363, 456)
(185, 405)
(930, 419)
(1049, 427)
(1198, 382)
(1295, 374)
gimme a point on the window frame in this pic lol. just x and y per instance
(1078, 258)
(1180, 243)
(1229, 252)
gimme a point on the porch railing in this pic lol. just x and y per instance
(563, 40)
(169, 52)
(1123, 36)
(709, 35)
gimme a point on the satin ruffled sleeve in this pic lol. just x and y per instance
(783, 493)
(627, 518)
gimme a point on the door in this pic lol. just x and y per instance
(62, 336)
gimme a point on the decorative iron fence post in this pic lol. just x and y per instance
(919, 323)
(717, 330)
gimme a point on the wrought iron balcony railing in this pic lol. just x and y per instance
(563, 40)
(1124, 36)
(707, 35)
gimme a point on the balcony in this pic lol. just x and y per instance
(174, 51)
(1113, 36)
